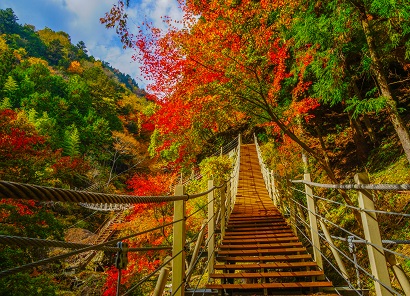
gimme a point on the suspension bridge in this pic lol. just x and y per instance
(263, 236)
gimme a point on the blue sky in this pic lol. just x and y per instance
(80, 19)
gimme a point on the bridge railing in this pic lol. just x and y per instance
(362, 257)
(224, 193)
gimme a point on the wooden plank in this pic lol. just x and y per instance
(274, 265)
(261, 246)
(276, 274)
(261, 226)
(295, 285)
(266, 258)
(260, 232)
(262, 251)
(258, 235)
(259, 240)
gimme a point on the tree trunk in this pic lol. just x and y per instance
(369, 129)
(396, 120)
(322, 143)
(366, 120)
(358, 138)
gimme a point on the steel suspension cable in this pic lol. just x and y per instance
(82, 250)
(380, 187)
(360, 267)
(351, 207)
(352, 234)
(42, 193)
(350, 260)
(328, 261)
(202, 251)
(36, 242)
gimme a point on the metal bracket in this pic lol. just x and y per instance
(121, 261)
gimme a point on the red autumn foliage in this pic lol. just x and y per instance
(14, 139)
(143, 216)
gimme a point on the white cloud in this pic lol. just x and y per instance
(81, 20)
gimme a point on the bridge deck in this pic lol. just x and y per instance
(260, 255)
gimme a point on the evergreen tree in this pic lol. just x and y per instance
(71, 144)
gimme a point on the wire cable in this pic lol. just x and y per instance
(352, 234)
(82, 250)
(352, 207)
(381, 187)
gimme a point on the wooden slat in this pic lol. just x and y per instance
(262, 251)
(261, 246)
(254, 228)
(295, 285)
(228, 241)
(258, 233)
(265, 258)
(276, 274)
(274, 265)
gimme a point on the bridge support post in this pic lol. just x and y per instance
(162, 279)
(178, 264)
(371, 229)
(399, 273)
(194, 257)
(334, 251)
(274, 197)
(211, 228)
(229, 198)
(311, 204)
(223, 210)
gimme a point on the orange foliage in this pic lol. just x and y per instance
(75, 68)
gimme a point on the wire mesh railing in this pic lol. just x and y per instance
(356, 251)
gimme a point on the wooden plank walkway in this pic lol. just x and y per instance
(259, 254)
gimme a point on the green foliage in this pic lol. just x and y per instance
(366, 105)
(217, 168)
(71, 143)
(8, 21)
(23, 284)
(5, 104)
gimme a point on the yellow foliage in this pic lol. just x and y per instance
(34, 61)
(75, 68)
(131, 102)
(20, 54)
(126, 144)
(3, 44)
(48, 35)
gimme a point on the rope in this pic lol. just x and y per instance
(36, 242)
(82, 250)
(360, 267)
(328, 261)
(352, 234)
(41, 193)
(381, 187)
(352, 207)
(385, 241)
